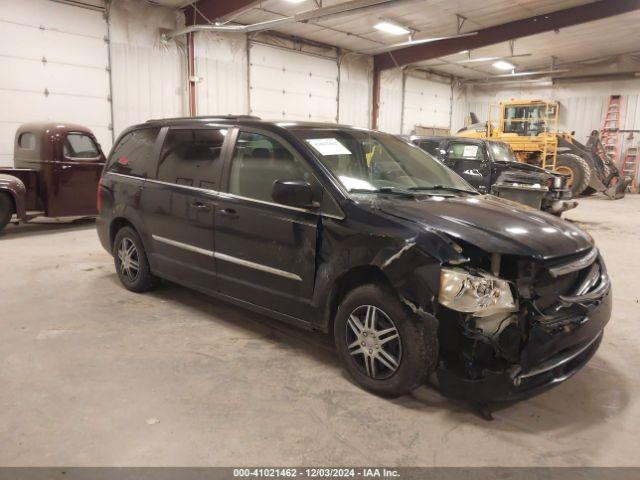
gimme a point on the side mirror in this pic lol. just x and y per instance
(294, 193)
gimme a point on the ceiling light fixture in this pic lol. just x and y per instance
(393, 28)
(296, 1)
(502, 65)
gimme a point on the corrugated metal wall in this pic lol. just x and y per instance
(390, 114)
(148, 76)
(355, 90)
(221, 65)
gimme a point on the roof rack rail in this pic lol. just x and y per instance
(207, 117)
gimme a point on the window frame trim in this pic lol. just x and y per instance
(80, 159)
(162, 136)
(226, 173)
(154, 155)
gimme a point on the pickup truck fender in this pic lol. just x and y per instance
(18, 192)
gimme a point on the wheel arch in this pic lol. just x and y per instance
(15, 189)
(116, 225)
(346, 282)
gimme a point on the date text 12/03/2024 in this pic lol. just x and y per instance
(316, 472)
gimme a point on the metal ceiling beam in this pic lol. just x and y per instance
(207, 11)
(508, 31)
(346, 8)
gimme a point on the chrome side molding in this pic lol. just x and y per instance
(227, 258)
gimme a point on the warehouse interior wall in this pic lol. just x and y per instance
(148, 76)
(54, 65)
(356, 78)
(390, 104)
(267, 74)
(221, 69)
(426, 102)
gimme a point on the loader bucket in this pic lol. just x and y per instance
(617, 188)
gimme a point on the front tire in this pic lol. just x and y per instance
(578, 170)
(6, 210)
(131, 262)
(386, 348)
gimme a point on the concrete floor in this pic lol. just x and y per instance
(92, 374)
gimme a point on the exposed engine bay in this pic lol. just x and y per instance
(521, 319)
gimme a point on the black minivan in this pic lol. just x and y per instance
(361, 234)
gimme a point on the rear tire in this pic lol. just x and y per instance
(131, 262)
(588, 191)
(386, 347)
(578, 169)
(6, 209)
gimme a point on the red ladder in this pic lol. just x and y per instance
(629, 168)
(609, 132)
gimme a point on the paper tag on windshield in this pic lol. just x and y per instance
(328, 146)
(470, 151)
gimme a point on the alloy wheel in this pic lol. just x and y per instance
(373, 342)
(129, 259)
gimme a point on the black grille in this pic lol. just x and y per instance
(548, 287)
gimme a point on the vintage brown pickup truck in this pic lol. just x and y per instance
(56, 173)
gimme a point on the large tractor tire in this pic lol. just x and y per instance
(6, 209)
(577, 169)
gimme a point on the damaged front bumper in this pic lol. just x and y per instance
(559, 344)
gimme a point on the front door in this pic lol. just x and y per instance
(74, 180)
(469, 160)
(179, 205)
(265, 252)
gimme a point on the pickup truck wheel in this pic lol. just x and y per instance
(386, 348)
(131, 262)
(6, 209)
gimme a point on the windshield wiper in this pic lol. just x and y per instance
(390, 190)
(441, 187)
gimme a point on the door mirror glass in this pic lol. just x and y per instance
(294, 193)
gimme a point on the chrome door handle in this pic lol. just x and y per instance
(229, 212)
(200, 206)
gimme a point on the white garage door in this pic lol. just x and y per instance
(53, 67)
(426, 103)
(293, 86)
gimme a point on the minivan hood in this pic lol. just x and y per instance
(493, 224)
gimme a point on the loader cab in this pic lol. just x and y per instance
(528, 118)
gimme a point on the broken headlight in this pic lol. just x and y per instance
(481, 294)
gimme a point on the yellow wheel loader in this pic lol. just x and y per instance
(530, 127)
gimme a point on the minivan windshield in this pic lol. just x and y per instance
(365, 161)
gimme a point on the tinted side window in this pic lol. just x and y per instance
(192, 157)
(430, 146)
(465, 151)
(134, 154)
(258, 161)
(78, 145)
